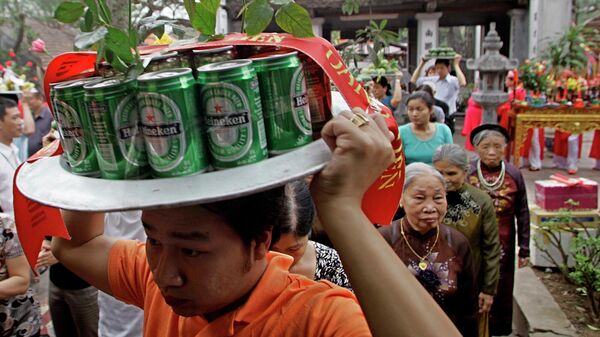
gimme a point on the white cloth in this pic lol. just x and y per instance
(446, 90)
(9, 161)
(118, 319)
(572, 160)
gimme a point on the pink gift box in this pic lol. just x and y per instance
(552, 195)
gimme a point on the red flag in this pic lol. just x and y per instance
(35, 221)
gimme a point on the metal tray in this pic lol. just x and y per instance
(48, 182)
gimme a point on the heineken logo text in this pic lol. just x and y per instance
(74, 132)
(128, 132)
(300, 101)
(229, 120)
(161, 130)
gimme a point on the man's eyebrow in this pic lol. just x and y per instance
(191, 236)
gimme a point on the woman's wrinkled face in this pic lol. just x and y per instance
(418, 111)
(491, 150)
(454, 175)
(424, 202)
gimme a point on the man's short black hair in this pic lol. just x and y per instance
(250, 216)
(445, 62)
(6, 103)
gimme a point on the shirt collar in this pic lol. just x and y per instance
(270, 286)
(8, 150)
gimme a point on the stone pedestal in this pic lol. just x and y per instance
(427, 32)
(519, 34)
(548, 20)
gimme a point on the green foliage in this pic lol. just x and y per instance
(116, 46)
(586, 250)
(69, 12)
(569, 52)
(290, 17)
(350, 7)
(261, 13)
(294, 19)
(376, 34)
(203, 15)
(534, 76)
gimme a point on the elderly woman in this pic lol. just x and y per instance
(504, 184)
(311, 259)
(439, 256)
(471, 212)
(421, 137)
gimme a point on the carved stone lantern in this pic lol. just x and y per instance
(492, 67)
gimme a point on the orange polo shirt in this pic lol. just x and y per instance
(281, 304)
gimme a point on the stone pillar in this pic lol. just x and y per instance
(548, 20)
(519, 34)
(427, 32)
(317, 26)
(222, 26)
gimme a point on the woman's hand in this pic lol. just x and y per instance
(485, 302)
(360, 154)
(45, 257)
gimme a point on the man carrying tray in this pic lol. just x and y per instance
(447, 86)
(205, 270)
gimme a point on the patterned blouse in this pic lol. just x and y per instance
(19, 315)
(448, 271)
(329, 266)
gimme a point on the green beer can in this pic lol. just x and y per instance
(230, 101)
(74, 127)
(112, 107)
(284, 101)
(171, 123)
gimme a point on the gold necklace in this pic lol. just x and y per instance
(423, 262)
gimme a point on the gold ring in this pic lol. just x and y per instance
(359, 120)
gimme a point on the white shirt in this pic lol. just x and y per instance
(446, 90)
(118, 319)
(9, 161)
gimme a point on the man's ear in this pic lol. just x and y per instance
(261, 245)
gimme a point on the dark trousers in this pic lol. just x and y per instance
(74, 312)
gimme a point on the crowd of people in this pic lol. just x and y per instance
(248, 266)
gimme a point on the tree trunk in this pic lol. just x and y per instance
(20, 32)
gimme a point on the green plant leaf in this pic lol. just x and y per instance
(280, 2)
(86, 40)
(118, 42)
(190, 7)
(133, 39)
(206, 16)
(69, 12)
(258, 16)
(104, 12)
(91, 4)
(87, 25)
(295, 20)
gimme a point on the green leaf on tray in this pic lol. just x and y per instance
(118, 42)
(86, 40)
(87, 25)
(280, 2)
(258, 16)
(206, 16)
(295, 20)
(69, 12)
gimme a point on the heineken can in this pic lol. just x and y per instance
(113, 110)
(284, 101)
(212, 55)
(74, 127)
(161, 62)
(230, 101)
(318, 92)
(171, 123)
